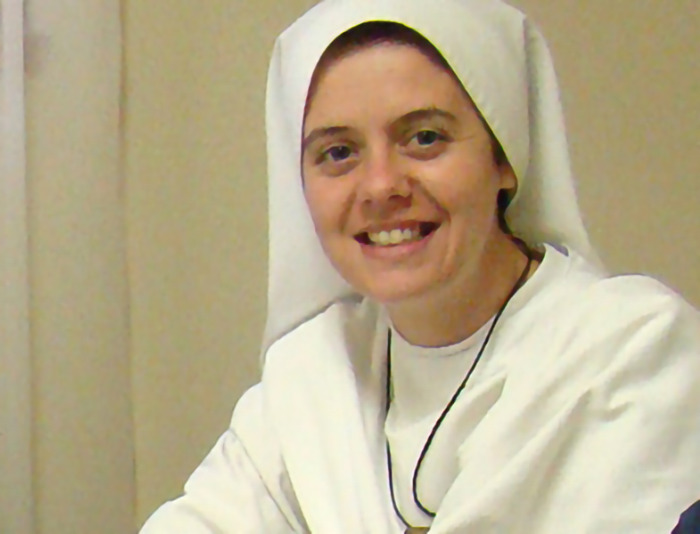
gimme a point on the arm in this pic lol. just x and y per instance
(240, 487)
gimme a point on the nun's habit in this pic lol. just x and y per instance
(583, 414)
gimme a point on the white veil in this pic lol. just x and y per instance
(505, 66)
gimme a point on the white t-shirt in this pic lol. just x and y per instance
(424, 379)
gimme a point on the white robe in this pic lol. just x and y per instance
(583, 417)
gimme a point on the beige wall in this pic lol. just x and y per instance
(630, 80)
(196, 187)
(82, 428)
(196, 222)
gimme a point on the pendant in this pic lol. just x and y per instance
(417, 530)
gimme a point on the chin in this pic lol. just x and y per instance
(396, 291)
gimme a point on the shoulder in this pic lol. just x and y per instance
(581, 299)
(590, 327)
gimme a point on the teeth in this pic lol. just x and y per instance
(393, 237)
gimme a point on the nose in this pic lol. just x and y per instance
(384, 182)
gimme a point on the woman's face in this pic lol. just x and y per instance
(399, 173)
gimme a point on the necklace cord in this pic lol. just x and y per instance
(431, 436)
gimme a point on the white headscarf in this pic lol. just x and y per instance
(504, 64)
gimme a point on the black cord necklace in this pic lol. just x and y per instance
(431, 436)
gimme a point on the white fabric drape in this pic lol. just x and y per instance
(15, 365)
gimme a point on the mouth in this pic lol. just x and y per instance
(399, 235)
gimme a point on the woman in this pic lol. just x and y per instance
(441, 350)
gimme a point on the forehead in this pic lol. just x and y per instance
(381, 32)
(380, 79)
(369, 35)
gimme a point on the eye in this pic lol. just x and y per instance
(428, 137)
(426, 143)
(335, 158)
(337, 153)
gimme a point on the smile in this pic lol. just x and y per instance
(397, 236)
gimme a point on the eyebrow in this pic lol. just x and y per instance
(317, 133)
(423, 114)
(403, 121)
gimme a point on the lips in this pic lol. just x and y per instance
(396, 234)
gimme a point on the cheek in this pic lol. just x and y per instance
(463, 184)
(323, 204)
(314, 204)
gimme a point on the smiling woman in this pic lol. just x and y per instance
(443, 351)
(407, 156)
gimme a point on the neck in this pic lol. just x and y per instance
(457, 309)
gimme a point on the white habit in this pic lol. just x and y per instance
(582, 417)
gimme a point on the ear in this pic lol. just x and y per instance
(507, 178)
